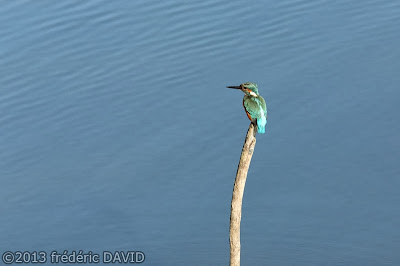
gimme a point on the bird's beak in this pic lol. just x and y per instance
(235, 87)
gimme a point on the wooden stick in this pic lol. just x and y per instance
(237, 195)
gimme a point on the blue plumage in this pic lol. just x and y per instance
(261, 122)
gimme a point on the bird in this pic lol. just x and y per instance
(254, 105)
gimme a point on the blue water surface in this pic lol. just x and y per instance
(117, 131)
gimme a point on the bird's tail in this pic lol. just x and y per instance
(261, 124)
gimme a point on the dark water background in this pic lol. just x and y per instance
(117, 132)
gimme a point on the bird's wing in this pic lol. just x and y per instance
(263, 105)
(252, 106)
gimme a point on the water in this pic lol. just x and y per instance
(117, 132)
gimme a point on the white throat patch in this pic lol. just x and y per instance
(252, 93)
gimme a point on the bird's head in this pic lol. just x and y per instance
(248, 88)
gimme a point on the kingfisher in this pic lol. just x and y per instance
(254, 105)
